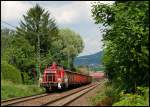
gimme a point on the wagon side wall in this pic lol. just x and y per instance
(75, 78)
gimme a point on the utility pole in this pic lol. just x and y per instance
(68, 55)
(38, 54)
(68, 59)
(89, 69)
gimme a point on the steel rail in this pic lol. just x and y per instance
(21, 99)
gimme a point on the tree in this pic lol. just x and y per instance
(126, 41)
(37, 23)
(15, 51)
(21, 54)
(6, 36)
(40, 31)
(69, 45)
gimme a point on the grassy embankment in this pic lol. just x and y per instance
(11, 83)
(12, 90)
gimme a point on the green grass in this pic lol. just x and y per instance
(11, 90)
(105, 96)
(100, 95)
(10, 72)
(96, 99)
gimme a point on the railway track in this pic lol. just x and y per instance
(64, 101)
(54, 99)
(21, 99)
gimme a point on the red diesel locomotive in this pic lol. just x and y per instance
(55, 77)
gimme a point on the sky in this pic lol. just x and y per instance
(75, 15)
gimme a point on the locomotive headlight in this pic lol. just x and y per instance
(59, 79)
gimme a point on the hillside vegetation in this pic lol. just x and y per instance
(9, 72)
(94, 59)
(11, 90)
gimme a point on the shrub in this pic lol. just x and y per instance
(141, 98)
(9, 72)
(130, 100)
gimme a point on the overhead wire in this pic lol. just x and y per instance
(15, 27)
(8, 24)
(31, 3)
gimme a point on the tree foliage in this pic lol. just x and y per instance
(36, 22)
(39, 32)
(9, 72)
(22, 53)
(126, 41)
(68, 46)
(6, 37)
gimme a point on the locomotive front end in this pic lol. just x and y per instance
(52, 78)
(49, 79)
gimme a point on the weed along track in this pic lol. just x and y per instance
(62, 98)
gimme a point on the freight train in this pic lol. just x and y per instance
(56, 77)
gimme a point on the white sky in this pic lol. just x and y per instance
(75, 15)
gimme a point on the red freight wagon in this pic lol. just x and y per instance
(56, 77)
(97, 75)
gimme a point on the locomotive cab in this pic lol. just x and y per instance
(53, 77)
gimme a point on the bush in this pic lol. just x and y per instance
(141, 98)
(131, 100)
(9, 72)
(107, 95)
(27, 79)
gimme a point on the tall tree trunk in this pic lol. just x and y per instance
(22, 77)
